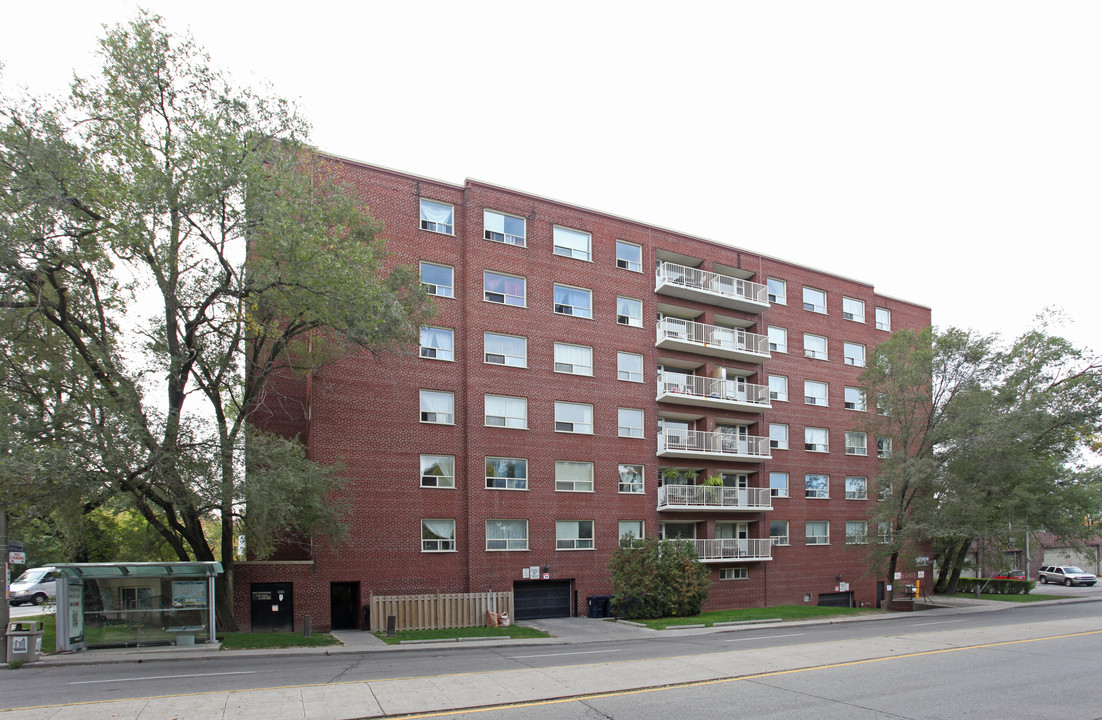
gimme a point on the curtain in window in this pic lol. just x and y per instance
(630, 475)
(506, 530)
(435, 212)
(504, 284)
(514, 410)
(574, 354)
(567, 412)
(576, 241)
(503, 345)
(436, 338)
(573, 472)
(437, 402)
(572, 296)
(438, 529)
(438, 465)
(629, 307)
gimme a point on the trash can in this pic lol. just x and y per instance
(24, 641)
(599, 606)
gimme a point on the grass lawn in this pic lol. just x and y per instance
(1032, 597)
(784, 612)
(257, 641)
(513, 631)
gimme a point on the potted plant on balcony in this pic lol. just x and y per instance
(714, 480)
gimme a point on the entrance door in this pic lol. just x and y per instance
(344, 599)
(736, 537)
(272, 606)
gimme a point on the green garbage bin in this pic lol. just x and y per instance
(24, 641)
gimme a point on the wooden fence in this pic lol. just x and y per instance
(438, 610)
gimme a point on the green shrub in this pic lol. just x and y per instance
(996, 587)
(654, 578)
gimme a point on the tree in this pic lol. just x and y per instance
(655, 578)
(181, 246)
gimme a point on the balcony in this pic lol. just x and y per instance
(712, 392)
(713, 498)
(726, 550)
(724, 342)
(712, 446)
(703, 286)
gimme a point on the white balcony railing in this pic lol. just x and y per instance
(697, 390)
(724, 290)
(716, 445)
(706, 497)
(733, 343)
(733, 549)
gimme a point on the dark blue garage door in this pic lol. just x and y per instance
(541, 599)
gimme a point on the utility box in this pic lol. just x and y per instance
(24, 641)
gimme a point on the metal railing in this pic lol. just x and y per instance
(733, 549)
(706, 387)
(712, 442)
(711, 282)
(710, 496)
(732, 339)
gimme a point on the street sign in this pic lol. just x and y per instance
(17, 558)
(15, 546)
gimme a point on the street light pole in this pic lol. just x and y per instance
(5, 614)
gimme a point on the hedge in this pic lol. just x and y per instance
(996, 587)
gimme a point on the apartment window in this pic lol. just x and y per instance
(739, 573)
(778, 484)
(630, 423)
(438, 471)
(815, 392)
(506, 534)
(629, 256)
(573, 301)
(506, 473)
(818, 532)
(437, 407)
(778, 532)
(573, 359)
(817, 486)
(815, 346)
(629, 531)
(853, 354)
(853, 309)
(502, 228)
(573, 476)
(629, 367)
(778, 339)
(503, 289)
(856, 443)
(437, 217)
(778, 437)
(438, 279)
(857, 488)
(883, 532)
(437, 535)
(437, 343)
(882, 404)
(856, 532)
(677, 531)
(815, 300)
(816, 439)
(572, 243)
(503, 411)
(778, 291)
(573, 534)
(884, 319)
(505, 350)
(855, 399)
(629, 312)
(778, 387)
(574, 418)
(631, 479)
(883, 490)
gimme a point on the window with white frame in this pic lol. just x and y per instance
(573, 359)
(573, 476)
(816, 486)
(853, 354)
(853, 309)
(508, 350)
(778, 387)
(778, 532)
(778, 484)
(856, 443)
(857, 488)
(883, 532)
(437, 343)
(573, 534)
(504, 411)
(572, 243)
(630, 479)
(883, 406)
(737, 573)
(439, 280)
(815, 346)
(504, 289)
(778, 291)
(857, 532)
(815, 392)
(573, 301)
(502, 228)
(506, 473)
(815, 300)
(778, 339)
(629, 531)
(884, 319)
(817, 532)
(629, 312)
(883, 489)
(630, 422)
(629, 256)
(438, 471)
(883, 447)
(574, 418)
(816, 439)
(855, 399)
(437, 535)
(778, 437)
(437, 217)
(629, 367)
(437, 407)
(506, 534)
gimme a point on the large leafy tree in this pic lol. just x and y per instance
(128, 212)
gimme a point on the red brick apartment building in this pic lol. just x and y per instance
(584, 375)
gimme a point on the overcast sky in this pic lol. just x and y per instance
(950, 153)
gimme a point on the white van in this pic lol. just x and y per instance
(33, 586)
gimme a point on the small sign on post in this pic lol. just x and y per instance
(17, 558)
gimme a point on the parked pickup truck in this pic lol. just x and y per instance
(1066, 575)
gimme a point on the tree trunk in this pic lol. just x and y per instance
(893, 562)
(958, 564)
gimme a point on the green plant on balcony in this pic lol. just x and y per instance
(674, 476)
(715, 480)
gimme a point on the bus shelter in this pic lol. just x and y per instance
(134, 604)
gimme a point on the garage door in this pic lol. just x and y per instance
(541, 599)
(1068, 556)
(836, 599)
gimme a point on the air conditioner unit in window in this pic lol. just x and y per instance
(809, 353)
(495, 297)
(809, 306)
(428, 352)
(564, 367)
(564, 309)
(772, 297)
(623, 319)
(851, 406)
(495, 358)
(430, 288)
(774, 395)
(848, 316)
(429, 480)
(564, 426)
(849, 361)
(621, 263)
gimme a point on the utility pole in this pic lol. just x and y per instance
(5, 614)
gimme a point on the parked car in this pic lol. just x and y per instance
(1066, 575)
(35, 585)
(1010, 575)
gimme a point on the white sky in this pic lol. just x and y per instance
(948, 152)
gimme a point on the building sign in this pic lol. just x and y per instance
(189, 594)
(76, 611)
